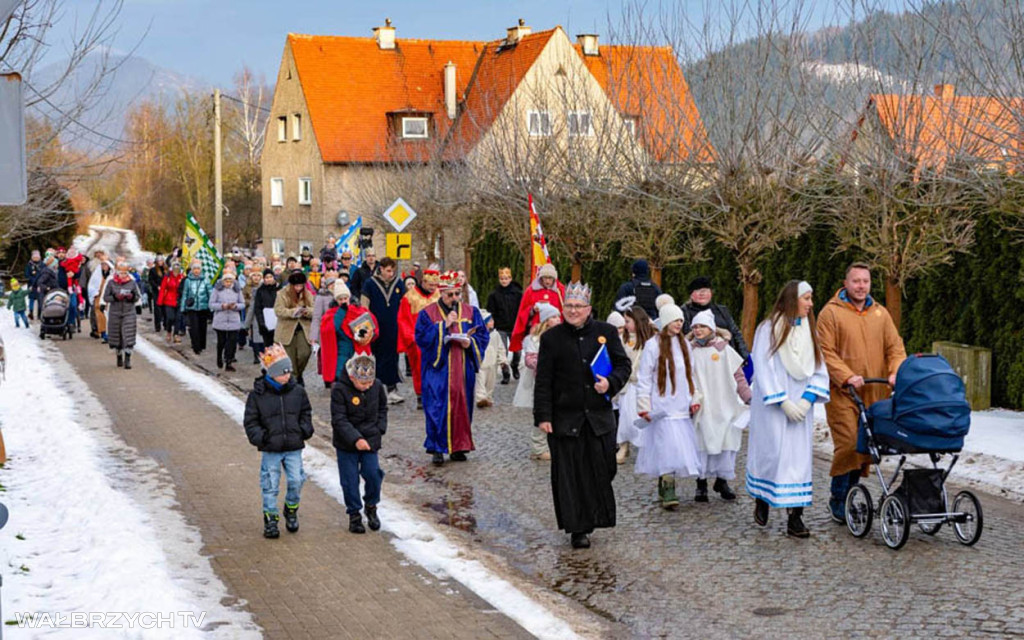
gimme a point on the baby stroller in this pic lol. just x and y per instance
(56, 315)
(928, 414)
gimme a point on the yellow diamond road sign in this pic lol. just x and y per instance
(400, 214)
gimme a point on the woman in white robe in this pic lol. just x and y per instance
(666, 397)
(789, 377)
(638, 330)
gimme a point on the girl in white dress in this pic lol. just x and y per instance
(666, 397)
(789, 377)
(549, 316)
(638, 330)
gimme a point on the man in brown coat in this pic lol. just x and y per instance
(859, 340)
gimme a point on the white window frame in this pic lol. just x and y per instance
(282, 128)
(410, 119)
(305, 190)
(296, 126)
(277, 246)
(573, 120)
(277, 192)
(542, 131)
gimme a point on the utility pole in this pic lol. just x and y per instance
(218, 187)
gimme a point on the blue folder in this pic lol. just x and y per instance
(601, 365)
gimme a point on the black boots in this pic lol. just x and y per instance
(120, 359)
(372, 520)
(355, 523)
(291, 518)
(795, 527)
(419, 403)
(721, 487)
(270, 529)
(702, 490)
(760, 512)
(458, 456)
(438, 459)
(128, 361)
(580, 541)
(506, 374)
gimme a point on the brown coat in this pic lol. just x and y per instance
(855, 343)
(284, 308)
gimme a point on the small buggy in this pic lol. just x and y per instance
(56, 315)
(928, 414)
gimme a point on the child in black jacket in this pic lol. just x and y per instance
(359, 417)
(278, 421)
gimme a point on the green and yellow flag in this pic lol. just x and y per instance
(196, 245)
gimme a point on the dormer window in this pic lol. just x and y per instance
(415, 127)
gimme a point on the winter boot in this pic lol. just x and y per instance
(702, 490)
(579, 541)
(220, 361)
(372, 520)
(438, 459)
(291, 518)
(120, 359)
(506, 374)
(795, 527)
(419, 403)
(270, 529)
(667, 492)
(760, 512)
(721, 487)
(355, 523)
(128, 360)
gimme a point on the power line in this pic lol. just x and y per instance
(249, 104)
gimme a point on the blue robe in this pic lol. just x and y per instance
(383, 301)
(449, 376)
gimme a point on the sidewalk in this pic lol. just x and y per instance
(319, 583)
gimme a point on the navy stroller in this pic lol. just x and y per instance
(928, 414)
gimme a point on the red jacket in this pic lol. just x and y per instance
(527, 317)
(329, 338)
(168, 296)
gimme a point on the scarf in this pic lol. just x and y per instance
(797, 353)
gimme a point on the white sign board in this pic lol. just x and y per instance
(13, 176)
(399, 215)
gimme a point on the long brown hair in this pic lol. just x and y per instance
(785, 311)
(667, 364)
(644, 327)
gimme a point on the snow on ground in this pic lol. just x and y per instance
(91, 521)
(416, 539)
(115, 241)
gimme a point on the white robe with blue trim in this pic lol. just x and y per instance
(779, 456)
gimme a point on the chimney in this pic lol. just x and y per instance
(945, 92)
(516, 33)
(588, 41)
(385, 36)
(449, 90)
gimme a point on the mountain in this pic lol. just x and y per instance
(109, 84)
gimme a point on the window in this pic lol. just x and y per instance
(277, 192)
(305, 191)
(579, 124)
(282, 128)
(277, 246)
(539, 123)
(630, 126)
(305, 244)
(414, 127)
(297, 126)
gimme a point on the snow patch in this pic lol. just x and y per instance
(851, 72)
(115, 241)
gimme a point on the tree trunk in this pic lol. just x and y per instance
(468, 266)
(748, 323)
(528, 269)
(894, 300)
(656, 275)
(577, 270)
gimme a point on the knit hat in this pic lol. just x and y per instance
(700, 282)
(275, 361)
(15, 284)
(705, 318)
(662, 300)
(297, 277)
(268, 272)
(228, 275)
(362, 368)
(641, 269)
(616, 320)
(486, 316)
(803, 288)
(669, 314)
(50, 261)
(546, 311)
(340, 290)
(547, 271)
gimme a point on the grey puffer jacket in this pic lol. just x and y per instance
(225, 319)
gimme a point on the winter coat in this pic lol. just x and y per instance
(321, 303)
(155, 278)
(121, 299)
(195, 294)
(360, 277)
(32, 270)
(564, 392)
(46, 281)
(503, 303)
(168, 294)
(723, 320)
(528, 316)
(328, 255)
(638, 292)
(278, 420)
(264, 298)
(335, 348)
(855, 343)
(98, 279)
(358, 414)
(227, 319)
(16, 300)
(285, 306)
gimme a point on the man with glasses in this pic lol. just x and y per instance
(452, 340)
(572, 404)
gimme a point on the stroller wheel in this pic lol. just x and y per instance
(895, 521)
(859, 510)
(967, 525)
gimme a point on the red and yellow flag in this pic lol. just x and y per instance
(539, 255)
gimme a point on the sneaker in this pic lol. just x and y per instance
(291, 518)
(837, 510)
(722, 488)
(355, 523)
(580, 541)
(394, 398)
(372, 520)
(270, 529)
(702, 491)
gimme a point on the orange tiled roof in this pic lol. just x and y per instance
(350, 86)
(935, 129)
(647, 83)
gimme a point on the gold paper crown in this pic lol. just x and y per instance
(272, 354)
(578, 292)
(362, 368)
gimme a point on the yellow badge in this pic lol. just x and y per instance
(355, 401)
(715, 357)
(601, 339)
(547, 297)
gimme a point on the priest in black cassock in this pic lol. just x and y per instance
(573, 406)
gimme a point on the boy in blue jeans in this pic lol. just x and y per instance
(359, 418)
(278, 421)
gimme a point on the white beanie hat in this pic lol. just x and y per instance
(704, 318)
(547, 271)
(662, 300)
(340, 290)
(616, 320)
(668, 314)
(547, 311)
(803, 288)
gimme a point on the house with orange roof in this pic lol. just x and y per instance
(346, 109)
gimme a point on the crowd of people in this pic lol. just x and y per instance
(673, 385)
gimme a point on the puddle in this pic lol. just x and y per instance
(455, 507)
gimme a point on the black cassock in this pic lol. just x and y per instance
(583, 439)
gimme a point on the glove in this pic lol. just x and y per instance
(791, 410)
(804, 406)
